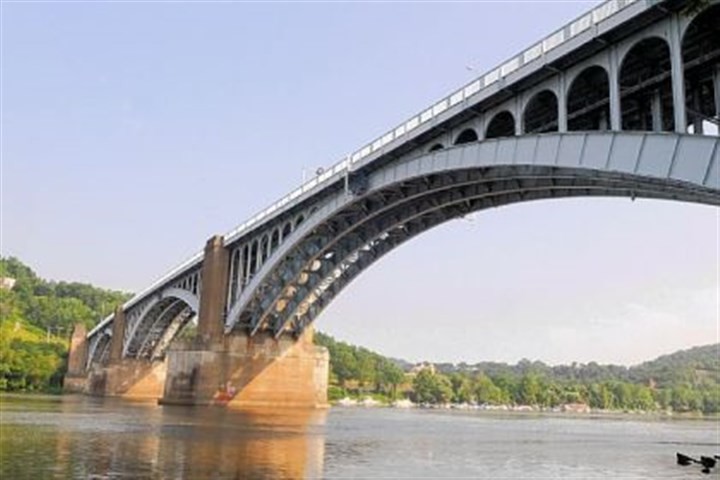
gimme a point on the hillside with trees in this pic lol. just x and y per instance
(36, 320)
(37, 316)
(685, 381)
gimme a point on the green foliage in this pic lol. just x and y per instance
(336, 393)
(487, 393)
(367, 371)
(56, 305)
(685, 381)
(29, 360)
(429, 387)
(36, 320)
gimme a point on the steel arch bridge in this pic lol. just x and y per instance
(624, 101)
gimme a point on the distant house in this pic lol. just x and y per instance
(7, 283)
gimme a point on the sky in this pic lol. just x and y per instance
(134, 131)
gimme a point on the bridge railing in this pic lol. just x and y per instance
(403, 131)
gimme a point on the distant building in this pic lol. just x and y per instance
(7, 283)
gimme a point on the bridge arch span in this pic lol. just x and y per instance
(158, 322)
(403, 200)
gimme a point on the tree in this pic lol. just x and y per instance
(431, 388)
(462, 391)
(344, 364)
(366, 367)
(389, 376)
(529, 391)
(487, 393)
(601, 396)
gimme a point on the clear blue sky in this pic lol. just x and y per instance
(131, 132)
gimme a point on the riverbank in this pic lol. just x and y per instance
(567, 409)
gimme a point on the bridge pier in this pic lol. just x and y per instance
(214, 290)
(126, 377)
(75, 379)
(244, 371)
(129, 378)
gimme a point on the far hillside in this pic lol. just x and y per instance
(695, 366)
(36, 320)
(684, 381)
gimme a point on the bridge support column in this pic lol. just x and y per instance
(75, 379)
(614, 74)
(656, 111)
(562, 103)
(118, 335)
(677, 74)
(213, 294)
(243, 371)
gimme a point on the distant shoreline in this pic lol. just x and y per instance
(526, 410)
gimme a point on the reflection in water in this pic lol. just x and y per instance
(79, 437)
(83, 437)
(248, 444)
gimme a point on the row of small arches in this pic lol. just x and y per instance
(644, 85)
(247, 259)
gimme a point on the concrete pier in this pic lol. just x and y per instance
(75, 379)
(242, 371)
(129, 378)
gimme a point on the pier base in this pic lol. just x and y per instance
(74, 384)
(75, 380)
(248, 372)
(137, 379)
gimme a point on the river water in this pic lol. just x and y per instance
(44, 437)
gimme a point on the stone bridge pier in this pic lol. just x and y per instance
(243, 371)
(237, 369)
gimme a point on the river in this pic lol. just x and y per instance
(58, 437)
